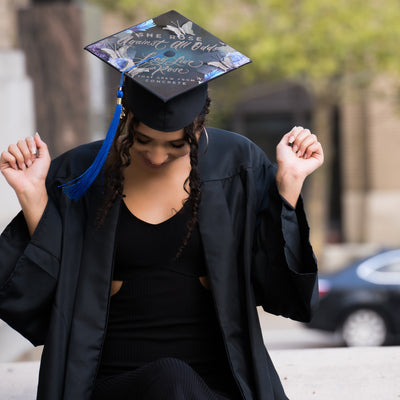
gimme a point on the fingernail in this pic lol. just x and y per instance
(291, 140)
(295, 148)
(28, 163)
(31, 143)
(37, 134)
(298, 154)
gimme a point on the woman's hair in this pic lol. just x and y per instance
(119, 158)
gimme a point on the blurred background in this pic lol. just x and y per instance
(331, 65)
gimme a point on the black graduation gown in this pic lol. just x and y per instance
(54, 287)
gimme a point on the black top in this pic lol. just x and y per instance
(162, 308)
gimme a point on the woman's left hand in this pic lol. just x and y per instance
(298, 154)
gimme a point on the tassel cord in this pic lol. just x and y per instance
(75, 188)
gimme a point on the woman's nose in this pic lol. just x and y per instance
(157, 155)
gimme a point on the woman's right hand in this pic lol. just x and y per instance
(25, 166)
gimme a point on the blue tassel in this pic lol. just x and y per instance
(77, 187)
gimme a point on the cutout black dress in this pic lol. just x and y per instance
(163, 339)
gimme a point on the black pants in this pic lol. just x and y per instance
(163, 379)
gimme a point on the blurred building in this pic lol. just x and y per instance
(45, 79)
(363, 206)
(370, 139)
(16, 118)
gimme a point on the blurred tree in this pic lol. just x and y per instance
(50, 1)
(322, 44)
(311, 40)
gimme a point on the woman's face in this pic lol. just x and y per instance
(156, 149)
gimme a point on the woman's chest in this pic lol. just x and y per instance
(155, 202)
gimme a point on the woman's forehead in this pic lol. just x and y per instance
(159, 135)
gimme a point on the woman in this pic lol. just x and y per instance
(147, 286)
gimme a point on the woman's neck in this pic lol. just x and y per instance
(156, 195)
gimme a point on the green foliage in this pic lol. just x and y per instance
(307, 40)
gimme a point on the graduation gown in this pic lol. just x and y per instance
(55, 286)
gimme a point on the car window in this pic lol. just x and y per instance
(391, 267)
(381, 269)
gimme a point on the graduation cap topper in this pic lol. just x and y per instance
(169, 60)
(168, 55)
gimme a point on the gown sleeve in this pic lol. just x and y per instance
(28, 273)
(284, 269)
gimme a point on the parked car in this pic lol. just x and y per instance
(362, 301)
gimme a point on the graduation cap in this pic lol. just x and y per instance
(165, 64)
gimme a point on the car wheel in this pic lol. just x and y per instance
(364, 327)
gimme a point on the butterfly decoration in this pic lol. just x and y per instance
(123, 63)
(221, 61)
(120, 57)
(181, 31)
(229, 61)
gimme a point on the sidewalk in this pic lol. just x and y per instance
(312, 374)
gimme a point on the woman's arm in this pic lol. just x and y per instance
(30, 246)
(25, 166)
(284, 268)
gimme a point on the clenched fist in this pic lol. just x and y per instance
(25, 166)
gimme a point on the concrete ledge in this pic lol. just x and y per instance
(12, 344)
(363, 373)
(320, 374)
(18, 380)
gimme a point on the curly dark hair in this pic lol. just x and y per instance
(119, 158)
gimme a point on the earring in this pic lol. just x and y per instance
(123, 113)
(205, 150)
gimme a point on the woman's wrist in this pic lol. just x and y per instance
(31, 195)
(289, 186)
(33, 204)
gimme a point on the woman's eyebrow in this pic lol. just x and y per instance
(149, 138)
(177, 140)
(142, 134)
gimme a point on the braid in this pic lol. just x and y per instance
(194, 184)
(118, 159)
(194, 177)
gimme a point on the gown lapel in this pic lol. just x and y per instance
(91, 303)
